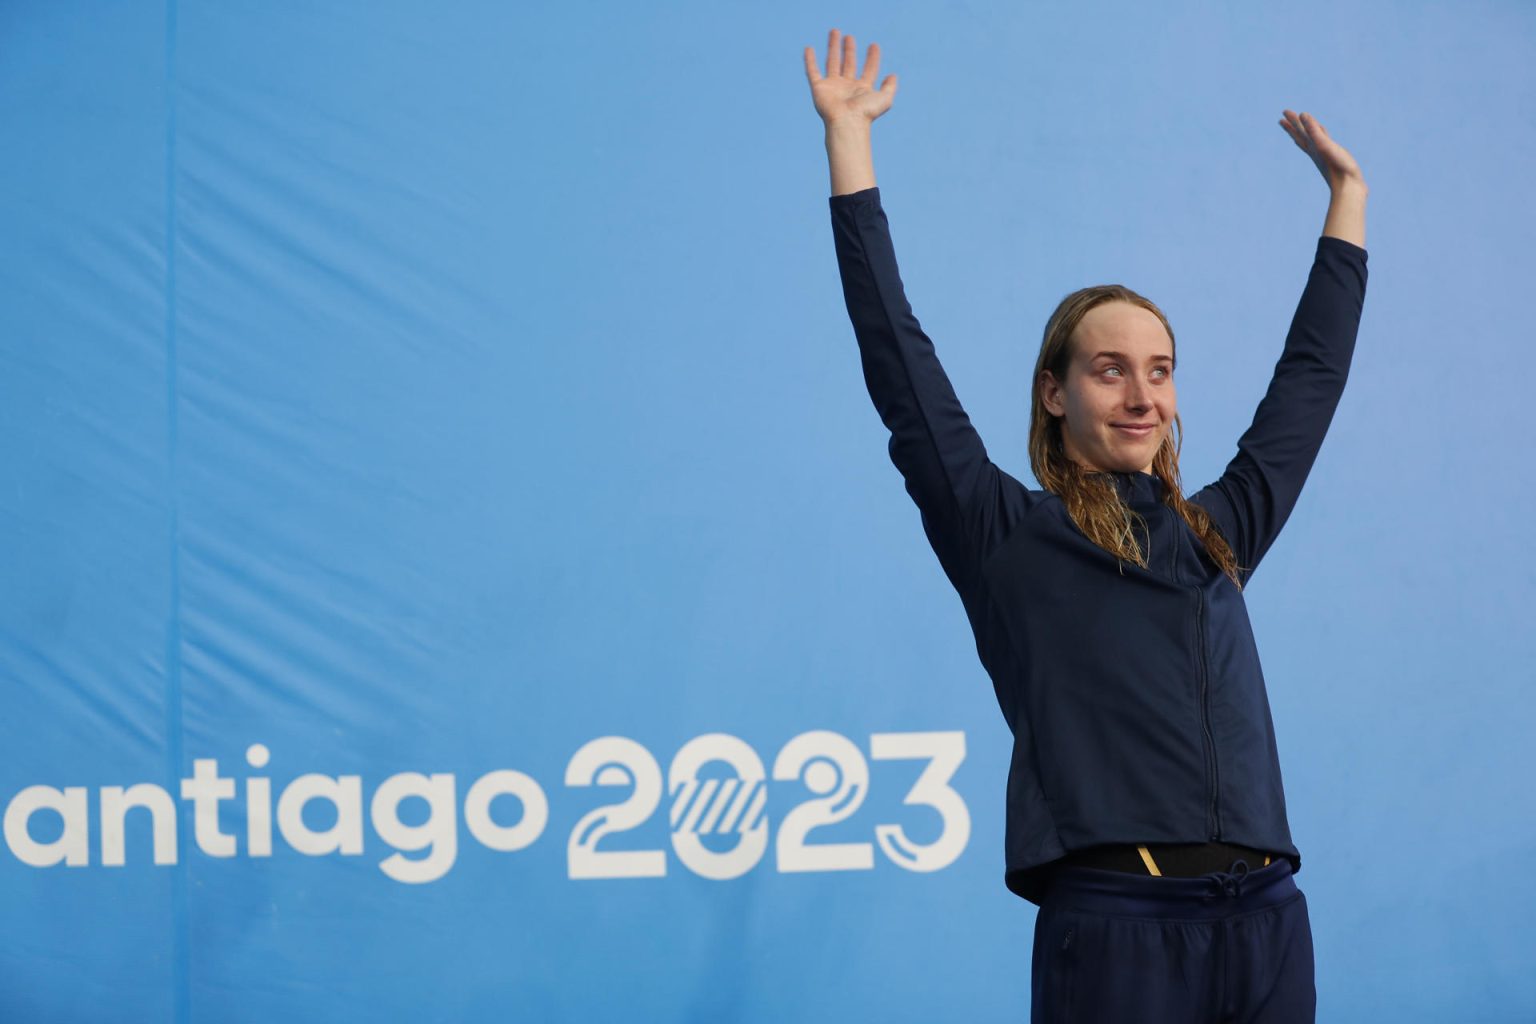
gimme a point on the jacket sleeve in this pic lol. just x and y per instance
(1254, 496)
(957, 488)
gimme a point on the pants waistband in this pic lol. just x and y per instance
(1183, 860)
(1217, 894)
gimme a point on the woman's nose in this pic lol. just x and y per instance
(1136, 395)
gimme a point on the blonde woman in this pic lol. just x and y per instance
(1146, 817)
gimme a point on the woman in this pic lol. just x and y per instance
(1146, 815)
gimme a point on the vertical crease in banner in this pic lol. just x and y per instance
(181, 997)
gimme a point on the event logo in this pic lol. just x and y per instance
(716, 785)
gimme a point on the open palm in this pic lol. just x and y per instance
(840, 93)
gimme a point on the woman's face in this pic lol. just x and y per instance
(1118, 401)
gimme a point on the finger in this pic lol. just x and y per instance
(871, 64)
(889, 83)
(1320, 134)
(1296, 137)
(834, 55)
(1299, 129)
(811, 71)
(1313, 128)
(850, 57)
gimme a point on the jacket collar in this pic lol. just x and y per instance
(1137, 487)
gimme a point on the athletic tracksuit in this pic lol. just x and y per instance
(1135, 696)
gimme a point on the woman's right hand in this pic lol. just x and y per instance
(840, 94)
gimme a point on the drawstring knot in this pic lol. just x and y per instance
(1229, 883)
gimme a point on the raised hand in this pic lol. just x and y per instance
(842, 94)
(1333, 161)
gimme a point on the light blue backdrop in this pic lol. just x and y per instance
(432, 389)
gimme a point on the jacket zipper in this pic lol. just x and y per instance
(1214, 821)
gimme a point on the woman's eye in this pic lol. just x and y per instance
(1164, 371)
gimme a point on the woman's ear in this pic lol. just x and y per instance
(1050, 394)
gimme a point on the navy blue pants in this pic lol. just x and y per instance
(1231, 946)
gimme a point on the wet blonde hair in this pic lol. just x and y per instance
(1091, 499)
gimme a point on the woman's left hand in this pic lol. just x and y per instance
(1333, 161)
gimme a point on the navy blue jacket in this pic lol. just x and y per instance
(1135, 697)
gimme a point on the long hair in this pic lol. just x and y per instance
(1091, 498)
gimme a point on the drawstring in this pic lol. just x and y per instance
(1229, 883)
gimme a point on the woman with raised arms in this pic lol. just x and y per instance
(1146, 817)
